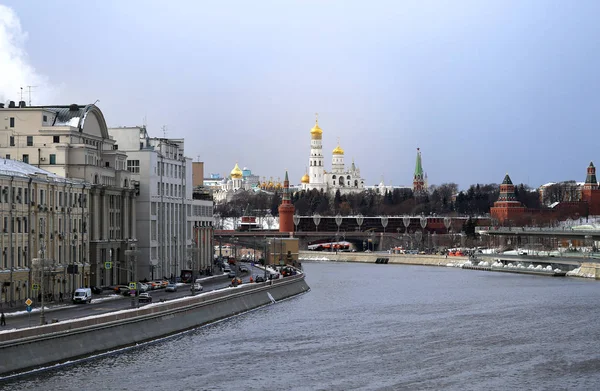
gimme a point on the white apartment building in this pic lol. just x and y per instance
(174, 229)
(73, 142)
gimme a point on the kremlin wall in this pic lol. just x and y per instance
(508, 211)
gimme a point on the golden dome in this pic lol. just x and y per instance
(236, 173)
(305, 178)
(338, 150)
(316, 132)
(278, 185)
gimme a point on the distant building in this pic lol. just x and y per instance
(346, 180)
(170, 218)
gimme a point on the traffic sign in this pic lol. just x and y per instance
(108, 265)
(35, 287)
(28, 308)
(132, 286)
(28, 302)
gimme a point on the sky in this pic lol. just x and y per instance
(483, 88)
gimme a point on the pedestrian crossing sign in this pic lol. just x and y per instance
(108, 265)
(35, 287)
(132, 286)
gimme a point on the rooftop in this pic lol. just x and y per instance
(16, 168)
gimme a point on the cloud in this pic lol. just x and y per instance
(15, 69)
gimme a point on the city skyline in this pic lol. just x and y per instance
(481, 88)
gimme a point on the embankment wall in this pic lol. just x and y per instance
(58, 342)
(428, 260)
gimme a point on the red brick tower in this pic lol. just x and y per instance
(507, 207)
(286, 209)
(590, 192)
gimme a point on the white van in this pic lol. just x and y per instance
(82, 295)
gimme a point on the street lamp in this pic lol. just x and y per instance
(317, 221)
(42, 266)
(296, 221)
(359, 221)
(132, 253)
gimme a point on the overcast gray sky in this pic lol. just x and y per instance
(482, 87)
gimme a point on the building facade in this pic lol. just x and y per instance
(42, 216)
(73, 142)
(340, 178)
(174, 228)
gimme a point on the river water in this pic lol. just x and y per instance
(374, 327)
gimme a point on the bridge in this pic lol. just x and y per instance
(564, 233)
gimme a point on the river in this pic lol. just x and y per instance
(374, 327)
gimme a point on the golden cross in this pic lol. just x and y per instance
(317, 117)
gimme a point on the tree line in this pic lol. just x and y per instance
(442, 200)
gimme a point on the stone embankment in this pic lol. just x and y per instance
(401, 259)
(587, 269)
(40, 346)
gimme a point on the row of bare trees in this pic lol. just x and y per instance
(440, 200)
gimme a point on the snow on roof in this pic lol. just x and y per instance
(552, 205)
(549, 184)
(15, 168)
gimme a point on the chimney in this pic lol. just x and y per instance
(1, 105)
(22, 104)
(11, 104)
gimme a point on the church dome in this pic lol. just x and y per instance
(305, 178)
(236, 173)
(338, 151)
(316, 132)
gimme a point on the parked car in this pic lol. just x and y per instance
(122, 289)
(171, 288)
(231, 274)
(259, 279)
(197, 287)
(145, 298)
(82, 295)
(143, 287)
(244, 269)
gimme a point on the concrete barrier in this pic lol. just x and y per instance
(58, 342)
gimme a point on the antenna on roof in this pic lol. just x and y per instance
(21, 93)
(145, 122)
(198, 157)
(164, 129)
(29, 92)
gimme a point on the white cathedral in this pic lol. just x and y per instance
(346, 181)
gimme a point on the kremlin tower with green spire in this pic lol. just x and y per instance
(419, 179)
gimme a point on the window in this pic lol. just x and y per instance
(133, 166)
(45, 118)
(7, 156)
(12, 122)
(30, 141)
(26, 158)
(12, 141)
(52, 158)
(56, 139)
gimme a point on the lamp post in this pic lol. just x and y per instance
(174, 274)
(359, 221)
(317, 221)
(132, 254)
(42, 261)
(296, 222)
(384, 223)
(267, 257)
